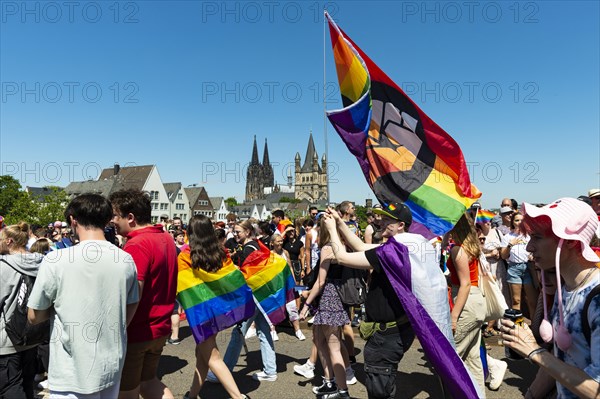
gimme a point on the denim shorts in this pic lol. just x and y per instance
(518, 273)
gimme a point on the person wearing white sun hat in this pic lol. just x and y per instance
(560, 235)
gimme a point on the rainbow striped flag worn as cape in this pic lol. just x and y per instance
(212, 301)
(271, 281)
(404, 155)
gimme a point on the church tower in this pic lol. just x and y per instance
(259, 176)
(268, 177)
(254, 176)
(311, 178)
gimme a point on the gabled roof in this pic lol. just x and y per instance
(128, 177)
(216, 202)
(102, 187)
(172, 190)
(193, 193)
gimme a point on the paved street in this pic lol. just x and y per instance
(415, 379)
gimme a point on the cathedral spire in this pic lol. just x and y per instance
(266, 155)
(311, 152)
(254, 160)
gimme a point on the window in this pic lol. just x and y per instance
(183, 217)
(155, 206)
(154, 195)
(154, 219)
(163, 206)
(202, 202)
(179, 196)
(179, 207)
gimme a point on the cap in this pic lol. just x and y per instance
(585, 199)
(506, 209)
(164, 216)
(397, 211)
(571, 220)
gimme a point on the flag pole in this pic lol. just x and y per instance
(324, 104)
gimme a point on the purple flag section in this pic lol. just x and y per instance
(394, 260)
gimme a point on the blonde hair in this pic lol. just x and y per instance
(19, 233)
(465, 235)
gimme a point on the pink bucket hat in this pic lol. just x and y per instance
(571, 220)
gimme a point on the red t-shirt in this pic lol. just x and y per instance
(155, 256)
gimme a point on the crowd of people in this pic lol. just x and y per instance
(103, 285)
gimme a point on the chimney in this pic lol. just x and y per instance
(116, 169)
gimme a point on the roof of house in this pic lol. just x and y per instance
(216, 202)
(128, 177)
(172, 190)
(103, 187)
(40, 193)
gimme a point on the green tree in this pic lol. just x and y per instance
(361, 216)
(52, 206)
(290, 200)
(230, 202)
(9, 193)
(23, 208)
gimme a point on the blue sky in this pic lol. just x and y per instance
(186, 85)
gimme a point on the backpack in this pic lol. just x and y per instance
(587, 332)
(353, 288)
(18, 328)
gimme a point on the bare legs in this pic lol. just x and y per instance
(208, 356)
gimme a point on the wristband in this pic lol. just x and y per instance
(534, 352)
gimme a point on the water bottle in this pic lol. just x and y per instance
(516, 316)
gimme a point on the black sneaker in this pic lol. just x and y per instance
(175, 341)
(352, 360)
(187, 396)
(337, 395)
(325, 388)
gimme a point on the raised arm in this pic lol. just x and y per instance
(349, 237)
(356, 260)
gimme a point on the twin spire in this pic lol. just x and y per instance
(254, 160)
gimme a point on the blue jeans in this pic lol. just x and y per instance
(267, 348)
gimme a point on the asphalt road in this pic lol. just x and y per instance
(415, 380)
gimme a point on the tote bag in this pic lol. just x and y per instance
(494, 300)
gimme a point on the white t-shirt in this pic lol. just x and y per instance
(518, 253)
(89, 286)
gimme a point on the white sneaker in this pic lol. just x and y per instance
(310, 321)
(497, 373)
(262, 376)
(250, 333)
(350, 378)
(300, 336)
(43, 385)
(274, 335)
(305, 370)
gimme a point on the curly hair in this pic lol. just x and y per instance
(206, 251)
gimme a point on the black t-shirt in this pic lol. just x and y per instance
(293, 248)
(382, 304)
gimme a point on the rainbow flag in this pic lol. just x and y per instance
(404, 155)
(271, 281)
(212, 301)
(484, 216)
